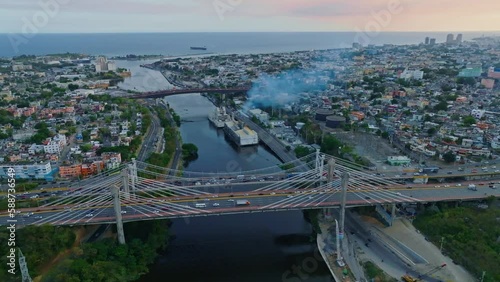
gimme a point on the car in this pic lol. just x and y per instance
(368, 198)
(459, 184)
(450, 172)
(38, 217)
(89, 215)
(399, 194)
(409, 187)
(272, 193)
(122, 212)
(156, 211)
(230, 200)
(215, 205)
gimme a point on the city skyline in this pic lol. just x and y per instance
(69, 16)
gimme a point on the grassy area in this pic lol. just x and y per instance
(470, 236)
(373, 272)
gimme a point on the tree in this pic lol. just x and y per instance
(431, 131)
(442, 106)
(301, 151)
(73, 87)
(449, 157)
(469, 120)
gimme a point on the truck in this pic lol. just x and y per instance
(432, 169)
(200, 205)
(242, 203)
(472, 187)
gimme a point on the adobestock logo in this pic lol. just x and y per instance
(302, 272)
(379, 21)
(223, 6)
(49, 9)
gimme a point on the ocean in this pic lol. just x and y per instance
(178, 44)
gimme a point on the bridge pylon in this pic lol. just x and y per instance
(317, 165)
(125, 183)
(115, 191)
(132, 170)
(329, 179)
(343, 184)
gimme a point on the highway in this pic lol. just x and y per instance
(178, 148)
(357, 232)
(168, 207)
(148, 144)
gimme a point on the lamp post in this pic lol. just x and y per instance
(441, 247)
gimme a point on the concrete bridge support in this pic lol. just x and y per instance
(115, 191)
(382, 211)
(126, 186)
(329, 178)
(393, 213)
(133, 175)
(344, 182)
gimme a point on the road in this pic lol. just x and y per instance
(169, 207)
(148, 144)
(178, 148)
(385, 253)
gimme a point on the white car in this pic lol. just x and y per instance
(89, 215)
(123, 212)
(215, 205)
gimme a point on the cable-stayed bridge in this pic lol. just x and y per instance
(138, 191)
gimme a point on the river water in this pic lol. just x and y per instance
(266, 247)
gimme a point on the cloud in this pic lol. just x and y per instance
(252, 15)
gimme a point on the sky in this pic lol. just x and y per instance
(89, 16)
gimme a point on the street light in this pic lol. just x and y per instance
(441, 247)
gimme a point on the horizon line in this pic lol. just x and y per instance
(311, 31)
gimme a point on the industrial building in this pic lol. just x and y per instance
(398, 160)
(335, 121)
(322, 114)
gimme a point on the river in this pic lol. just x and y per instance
(266, 247)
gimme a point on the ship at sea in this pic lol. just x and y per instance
(199, 48)
(219, 117)
(240, 134)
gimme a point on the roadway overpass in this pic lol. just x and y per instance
(136, 198)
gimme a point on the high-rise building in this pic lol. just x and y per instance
(432, 41)
(427, 41)
(459, 39)
(449, 39)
